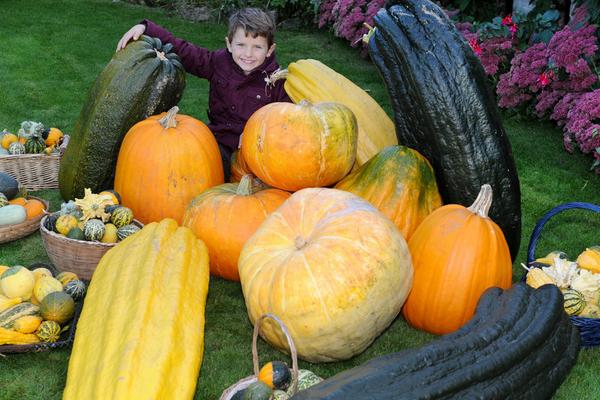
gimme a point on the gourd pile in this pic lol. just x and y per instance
(19, 209)
(36, 306)
(578, 280)
(31, 138)
(96, 217)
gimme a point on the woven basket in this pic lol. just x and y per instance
(78, 256)
(589, 328)
(34, 171)
(245, 382)
(17, 231)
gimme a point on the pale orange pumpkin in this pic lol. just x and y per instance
(238, 167)
(294, 146)
(332, 267)
(164, 162)
(225, 216)
(457, 253)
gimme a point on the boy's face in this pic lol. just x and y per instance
(248, 52)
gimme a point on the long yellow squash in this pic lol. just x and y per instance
(141, 331)
(316, 82)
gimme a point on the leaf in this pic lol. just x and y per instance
(550, 15)
(595, 165)
(463, 4)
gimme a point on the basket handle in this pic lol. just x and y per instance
(535, 235)
(293, 352)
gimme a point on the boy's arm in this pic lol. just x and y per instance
(195, 59)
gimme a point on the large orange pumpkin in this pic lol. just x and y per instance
(332, 267)
(225, 216)
(457, 254)
(164, 162)
(400, 182)
(238, 167)
(291, 146)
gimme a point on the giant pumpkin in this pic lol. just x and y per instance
(164, 162)
(332, 267)
(398, 181)
(291, 146)
(457, 253)
(225, 216)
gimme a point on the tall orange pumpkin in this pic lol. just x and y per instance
(225, 216)
(164, 162)
(295, 146)
(457, 254)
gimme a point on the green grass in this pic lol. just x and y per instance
(53, 50)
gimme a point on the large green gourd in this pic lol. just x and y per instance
(444, 108)
(141, 80)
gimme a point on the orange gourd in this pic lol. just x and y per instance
(33, 208)
(164, 162)
(295, 146)
(457, 254)
(238, 167)
(225, 216)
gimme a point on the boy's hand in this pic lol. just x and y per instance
(134, 33)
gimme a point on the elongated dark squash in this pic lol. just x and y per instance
(141, 80)
(444, 109)
(519, 341)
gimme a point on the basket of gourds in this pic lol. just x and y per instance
(32, 155)
(578, 280)
(82, 231)
(20, 216)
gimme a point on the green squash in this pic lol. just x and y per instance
(143, 79)
(76, 289)
(48, 331)
(574, 301)
(58, 307)
(16, 148)
(35, 144)
(3, 200)
(276, 374)
(12, 214)
(444, 108)
(127, 230)
(257, 391)
(8, 185)
(93, 230)
(121, 216)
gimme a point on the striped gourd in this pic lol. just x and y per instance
(574, 302)
(9, 316)
(16, 148)
(75, 289)
(316, 82)
(35, 144)
(127, 230)
(3, 200)
(121, 216)
(146, 353)
(48, 331)
(93, 230)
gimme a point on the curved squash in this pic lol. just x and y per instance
(143, 338)
(446, 110)
(400, 183)
(316, 82)
(141, 80)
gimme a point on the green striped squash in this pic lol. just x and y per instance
(48, 331)
(34, 145)
(3, 200)
(76, 289)
(127, 230)
(93, 230)
(121, 216)
(57, 306)
(9, 316)
(16, 148)
(574, 302)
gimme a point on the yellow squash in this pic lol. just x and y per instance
(141, 331)
(316, 82)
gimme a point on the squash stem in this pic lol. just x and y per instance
(168, 121)
(300, 242)
(483, 202)
(245, 186)
(275, 76)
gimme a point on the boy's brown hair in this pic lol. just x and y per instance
(253, 21)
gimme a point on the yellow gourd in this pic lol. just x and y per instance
(157, 284)
(6, 302)
(39, 272)
(17, 281)
(27, 324)
(8, 336)
(590, 259)
(536, 278)
(44, 286)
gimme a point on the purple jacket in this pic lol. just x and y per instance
(233, 96)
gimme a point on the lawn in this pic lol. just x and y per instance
(53, 50)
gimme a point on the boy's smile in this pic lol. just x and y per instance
(248, 52)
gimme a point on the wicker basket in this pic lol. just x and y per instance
(17, 231)
(78, 256)
(589, 328)
(34, 171)
(245, 382)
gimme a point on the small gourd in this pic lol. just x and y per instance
(8, 336)
(127, 230)
(307, 379)
(17, 281)
(48, 331)
(121, 216)
(57, 306)
(549, 258)
(44, 286)
(40, 272)
(66, 277)
(590, 259)
(257, 391)
(12, 214)
(276, 374)
(76, 289)
(3, 200)
(536, 278)
(65, 223)
(574, 301)
(76, 233)
(110, 234)
(35, 144)
(27, 324)
(116, 197)
(16, 148)
(93, 230)
(8, 302)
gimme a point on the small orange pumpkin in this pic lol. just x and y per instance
(457, 254)
(225, 216)
(33, 208)
(295, 146)
(21, 201)
(164, 162)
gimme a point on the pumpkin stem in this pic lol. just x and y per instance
(304, 102)
(483, 202)
(300, 242)
(168, 121)
(245, 187)
(275, 76)
(160, 55)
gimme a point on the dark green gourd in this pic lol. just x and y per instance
(143, 79)
(444, 108)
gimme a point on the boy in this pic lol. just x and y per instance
(236, 74)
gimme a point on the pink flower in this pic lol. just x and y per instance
(513, 28)
(546, 78)
(475, 46)
(507, 20)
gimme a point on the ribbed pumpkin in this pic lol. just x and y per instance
(457, 254)
(154, 307)
(332, 267)
(163, 163)
(315, 81)
(400, 183)
(225, 216)
(238, 167)
(291, 147)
